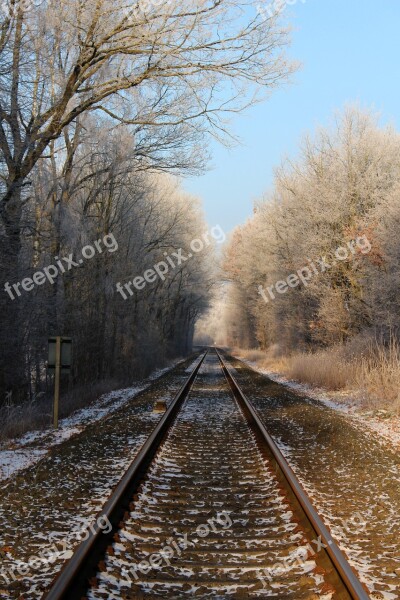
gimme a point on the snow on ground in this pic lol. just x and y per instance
(12, 461)
(350, 479)
(385, 425)
(26, 451)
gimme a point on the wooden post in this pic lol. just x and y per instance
(57, 382)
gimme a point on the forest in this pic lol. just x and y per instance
(313, 275)
(103, 106)
(199, 299)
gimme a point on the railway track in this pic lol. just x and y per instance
(209, 509)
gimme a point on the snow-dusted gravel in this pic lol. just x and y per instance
(352, 478)
(212, 499)
(71, 474)
(381, 422)
(26, 451)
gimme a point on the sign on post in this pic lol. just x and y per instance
(59, 361)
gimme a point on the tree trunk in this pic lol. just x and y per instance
(12, 360)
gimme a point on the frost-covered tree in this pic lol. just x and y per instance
(169, 71)
(342, 187)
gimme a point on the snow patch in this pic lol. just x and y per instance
(17, 455)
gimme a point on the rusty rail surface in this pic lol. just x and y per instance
(348, 577)
(73, 581)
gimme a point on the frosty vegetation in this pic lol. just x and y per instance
(100, 104)
(344, 183)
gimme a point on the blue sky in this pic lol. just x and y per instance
(350, 53)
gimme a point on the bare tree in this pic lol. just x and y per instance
(161, 66)
(343, 186)
(171, 71)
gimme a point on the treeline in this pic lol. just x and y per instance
(97, 100)
(104, 223)
(318, 263)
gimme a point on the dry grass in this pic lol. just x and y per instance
(379, 377)
(253, 355)
(272, 359)
(326, 369)
(365, 366)
(18, 420)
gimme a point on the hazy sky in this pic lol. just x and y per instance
(350, 53)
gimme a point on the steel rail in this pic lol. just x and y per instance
(73, 581)
(348, 577)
